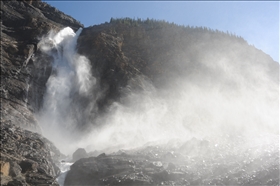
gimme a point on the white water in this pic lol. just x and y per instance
(64, 168)
(71, 77)
(218, 110)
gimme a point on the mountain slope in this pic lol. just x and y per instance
(191, 90)
(162, 51)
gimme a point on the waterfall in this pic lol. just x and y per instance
(233, 112)
(198, 105)
(71, 78)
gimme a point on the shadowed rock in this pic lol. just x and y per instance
(142, 167)
(24, 70)
(27, 158)
(79, 153)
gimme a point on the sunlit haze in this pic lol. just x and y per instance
(196, 89)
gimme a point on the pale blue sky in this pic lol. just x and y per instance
(257, 22)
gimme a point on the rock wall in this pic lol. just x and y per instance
(24, 71)
(162, 52)
(119, 52)
(27, 158)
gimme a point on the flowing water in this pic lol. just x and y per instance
(64, 166)
(240, 122)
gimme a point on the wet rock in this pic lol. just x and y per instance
(118, 53)
(133, 168)
(102, 155)
(160, 176)
(100, 170)
(24, 71)
(28, 165)
(79, 153)
(5, 168)
(171, 166)
(5, 179)
(93, 153)
(15, 170)
(26, 157)
(195, 146)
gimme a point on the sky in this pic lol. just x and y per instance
(257, 22)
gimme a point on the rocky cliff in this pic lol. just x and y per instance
(26, 158)
(118, 51)
(23, 23)
(162, 52)
(162, 79)
(126, 54)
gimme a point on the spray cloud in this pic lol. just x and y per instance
(71, 77)
(217, 101)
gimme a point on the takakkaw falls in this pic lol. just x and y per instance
(133, 102)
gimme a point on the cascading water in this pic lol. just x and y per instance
(233, 114)
(71, 77)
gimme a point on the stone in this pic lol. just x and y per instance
(5, 179)
(26, 158)
(79, 153)
(28, 165)
(22, 79)
(171, 166)
(5, 168)
(122, 56)
(15, 170)
(133, 168)
(22, 162)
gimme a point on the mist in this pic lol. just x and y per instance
(221, 101)
(71, 77)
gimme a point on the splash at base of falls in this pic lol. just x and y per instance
(64, 168)
(205, 125)
(193, 162)
(63, 114)
(187, 107)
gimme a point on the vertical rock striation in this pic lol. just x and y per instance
(26, 157)
(23, 78)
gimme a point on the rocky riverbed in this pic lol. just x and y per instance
(195, 162)
(27, 158)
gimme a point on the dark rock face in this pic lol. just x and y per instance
(22, 77)
(103, 169)
(119, 52)
(79, 153)
(109, 64)
(27, 158)
(162, 165)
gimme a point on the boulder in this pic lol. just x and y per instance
(139, 167)
(27, 158)
(79, 153)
